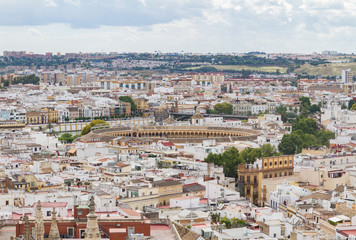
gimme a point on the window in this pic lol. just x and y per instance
(48, 213)
(82, 233)
(80, 212)
(131, 230)
(7, 203)
(70, 232)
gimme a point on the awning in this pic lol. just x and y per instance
(72, 151)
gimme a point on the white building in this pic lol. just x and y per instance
(185, 202)
(347, 76)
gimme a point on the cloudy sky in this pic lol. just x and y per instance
(178, 25)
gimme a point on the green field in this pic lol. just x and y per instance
(327, 69)
(271, 69)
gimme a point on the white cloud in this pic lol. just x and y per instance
(73, 2)
(34, 31)
(143, 2)
(50, 3)
(175, 25)
(272, 7)
(227, 4)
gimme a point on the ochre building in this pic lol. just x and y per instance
(250, 176)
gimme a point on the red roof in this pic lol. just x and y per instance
(348, 233)
(167, 144)
(191, 184)
(130, 212)
(121, 165)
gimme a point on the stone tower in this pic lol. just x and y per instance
(92, 231)
(39, 227)
(53, 232)
(27, 231)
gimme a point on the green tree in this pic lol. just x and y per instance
(226, 221)
(287, 146)
(223, 108)
(30, 79)
(282, 110)
(323, 136)
(67, 138)
(129, 99)
(307, 125)
(267, 150)
(353, 108)
(314, 108)
(306, 133)
(351, 102)
(88, 127)
(231, 158)
(305, 101)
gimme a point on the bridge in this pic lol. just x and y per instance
(182, 116)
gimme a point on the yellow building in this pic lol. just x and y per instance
(140, 197)
(142, 104)
(52, 115)
(250, 176)
(41, 116)
(168, 189)
(35, 116)
(121, 109)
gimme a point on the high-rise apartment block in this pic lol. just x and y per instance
(347, 76)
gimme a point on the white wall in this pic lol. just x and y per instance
(191, 202)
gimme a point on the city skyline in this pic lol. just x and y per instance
(211, 26)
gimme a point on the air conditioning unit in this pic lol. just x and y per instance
(207, 234)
